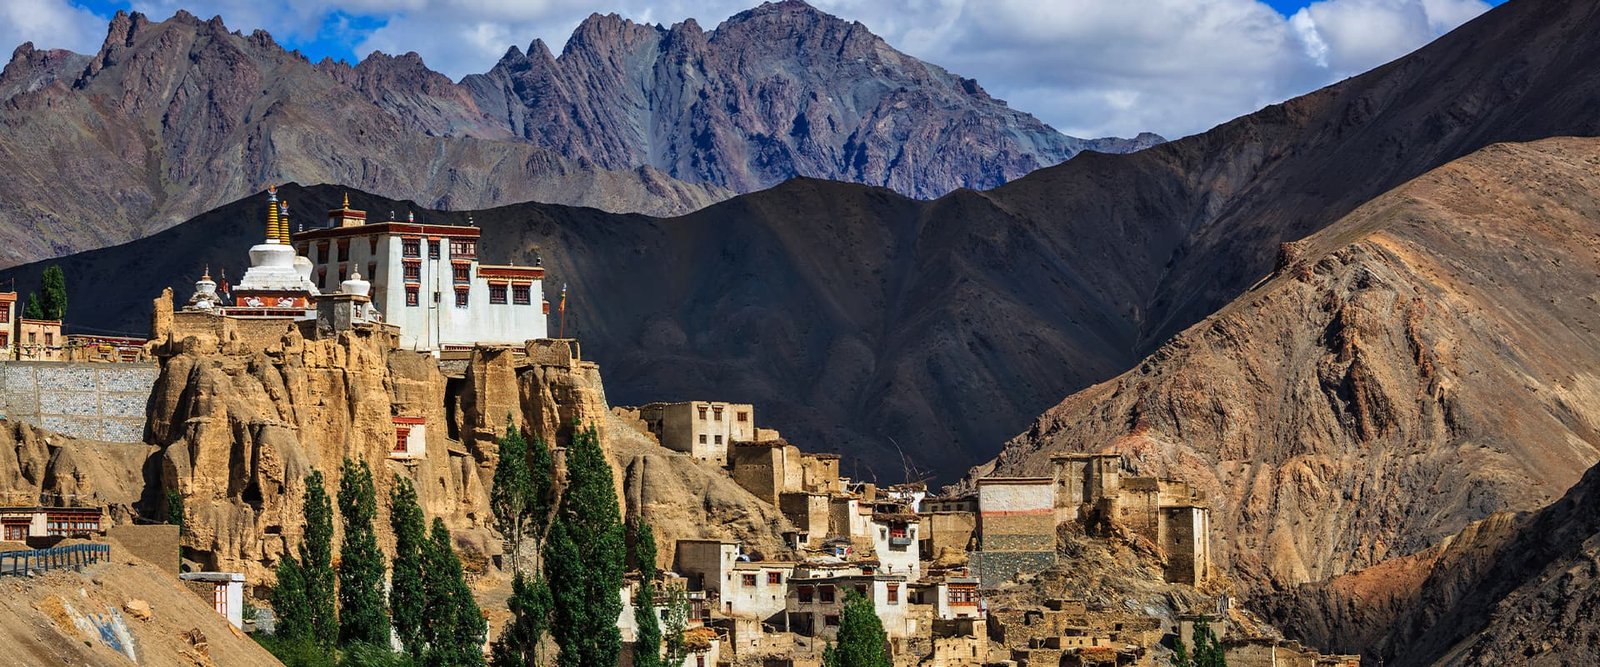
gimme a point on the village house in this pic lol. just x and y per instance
(702, 429)
(817, 596)
(17, 524)
(1016, 528)
(1167, 512)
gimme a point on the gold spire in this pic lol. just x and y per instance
(346, 200)
(283, 222)
(273, 233)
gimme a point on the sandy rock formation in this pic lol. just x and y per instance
(41, 467)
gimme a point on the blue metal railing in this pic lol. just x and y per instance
(54, 558)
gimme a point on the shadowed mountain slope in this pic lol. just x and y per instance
(1422, 363)
(864, 322)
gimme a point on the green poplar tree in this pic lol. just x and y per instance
(407, 599)
(289, 605)
(647, 642)
(584, 559)
(363, 614)
(316, 563)
(861, 638)
(53, 293)
(677, 623)
(518, 644)
(542, 482)
(33, 310)
(455, 628)
(512, 496)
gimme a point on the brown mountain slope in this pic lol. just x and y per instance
(173, 118)
(871, 324)
(1511, 589)
(1423, 362)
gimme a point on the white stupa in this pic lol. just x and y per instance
(205, 294)
(278, 277)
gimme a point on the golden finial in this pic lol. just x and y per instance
(283, 222)
(346, 200)
(273, 233)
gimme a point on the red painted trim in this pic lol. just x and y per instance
(1001, 513)
(409, 420)
(501, 271)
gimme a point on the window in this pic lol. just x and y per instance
(408, 247)
(744, 416)
(897, 530)
(304, 249)
(372, 270)
(413, 272)
(461, 273)
(463, 248)
(774, 578)
(702, 438)
(5, 339)
(433, 249)
(497, 293)
(5, 316)
(400, 437)
(963, 595)
(322, 252)
(831, 620)
(372, 245)
(522, 295)
(749, 579)
(343, 273)
(804, 592)
(344, 250)
(825, 593)
(894, 593)
(322, 276)
(411, 295)
(716, 413)
(34, 338)
(50, 340)
(702, 413)
(699, 661)
(461, 298)
(861, 589)
(719, 439)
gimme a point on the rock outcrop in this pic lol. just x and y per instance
(244, 411)
(1427, 361)
(38, 467)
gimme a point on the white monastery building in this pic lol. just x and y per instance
(426, 279)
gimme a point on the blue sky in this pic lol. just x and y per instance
(1087, 67)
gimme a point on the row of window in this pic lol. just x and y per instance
(66, 528)
(459, 248)
(521, 295)
(5, 315)
(717, 412)
(773, 578)
(703, 439)
(825, 593)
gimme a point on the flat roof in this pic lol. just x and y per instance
(397, 228)
(1015, 480)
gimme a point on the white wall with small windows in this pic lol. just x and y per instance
(426, 279)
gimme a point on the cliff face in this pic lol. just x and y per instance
(1422, 363)
(40, 467)
(243, 412)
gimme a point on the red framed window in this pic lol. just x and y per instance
(522, 295)
(463, 248)
(344, 250)
(963, 595)
(461, 273)
(433, 249)
(411, 295)
(748, 579)
(774, 578)
(413, 271)
(461, 298)
(401, 434)
(497, 293)
(744, 416)
(408, 247)
(5, 316)
(894, 593)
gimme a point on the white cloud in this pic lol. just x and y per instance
(1088, 67)
(50, 24)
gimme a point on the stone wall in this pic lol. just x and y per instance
(93, 401)
(156, 544)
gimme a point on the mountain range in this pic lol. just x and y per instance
(174, 118)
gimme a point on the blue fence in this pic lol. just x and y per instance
(54, 558)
